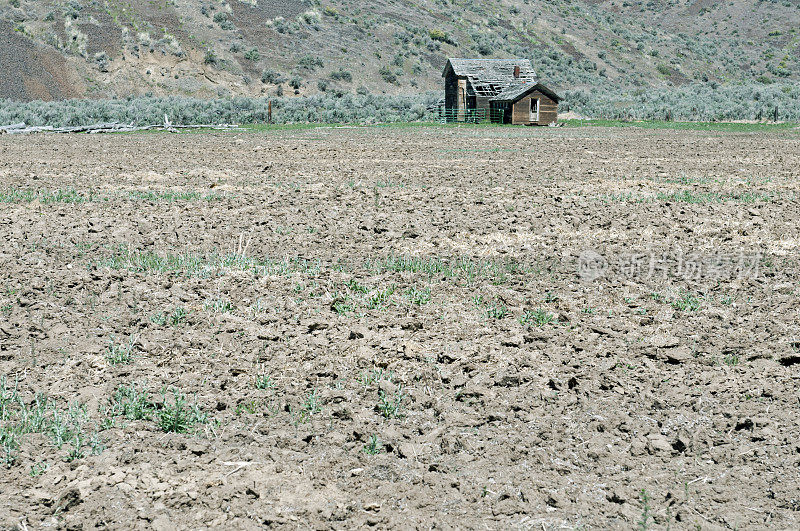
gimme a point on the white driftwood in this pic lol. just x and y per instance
(108, 127)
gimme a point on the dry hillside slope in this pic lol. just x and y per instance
(219, 48)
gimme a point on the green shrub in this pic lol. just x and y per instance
(271, 76)
(342, 75)
(309, 62)
(439, 35)
(253, 55)
(388, 75)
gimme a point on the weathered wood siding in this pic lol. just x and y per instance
(548, 110)
(482, 104)
(451, 91)
(462, 97)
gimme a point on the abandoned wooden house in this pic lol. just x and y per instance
(500, 90)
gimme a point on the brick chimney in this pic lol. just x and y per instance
(516, 72)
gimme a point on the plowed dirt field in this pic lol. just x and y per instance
(401, 327)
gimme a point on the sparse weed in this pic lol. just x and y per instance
(178, 316)
(418, 296)
(96, 444)
(690, 196)
(169, 196)
(248, 406)
(375, 375)
(67, 195)
(686, 303)
(42, 415)
(374, 446)
(391, 406)
(121, 353)
(341, 305)
(496, 311)
(37, 469)
(644, 522)
(131, 402)
(380, 299)
(76, 448)
(219, 306)
(550, 297)
(176, 416)
(9, 447)
(537, 317)
(312, 403)
(731, 360)
(300, 416)
(263, 381)
(355, 287)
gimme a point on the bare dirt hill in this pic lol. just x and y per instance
(33, 71)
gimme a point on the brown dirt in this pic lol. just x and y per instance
(529, 396)
(32, 71)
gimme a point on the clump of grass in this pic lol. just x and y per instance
(419, 296)
(375, 375)
(63, 426)
(9, 446)
(686, 303)
(248, 406)
(177, 416)
(390, 406)
(178, 316)
(380, 299)
(37, 469)
(67, 195)
(342, 304)
(131, 401)
(491, 310)
(221, 305)
(731, 360)
(121, 353)
(312, 403)
(537, 317)
(175, 318)
(373, 446)
(354, 286)
(497, 311)
(263, 381)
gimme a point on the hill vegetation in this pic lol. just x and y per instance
(614, 58)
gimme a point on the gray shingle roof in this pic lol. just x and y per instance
(517, 90)
(513, 92)
(492, 68)
(489, 77)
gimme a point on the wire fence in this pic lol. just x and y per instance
(470, 115)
